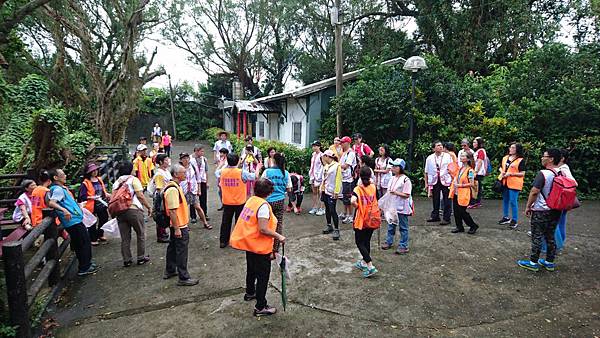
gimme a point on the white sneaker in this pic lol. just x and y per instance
(312, 211)
(348, 220)
(320, 212)
(342, 216)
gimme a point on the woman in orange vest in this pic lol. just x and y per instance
(362, 197)
(255, 233)
(460, 193)
(512, 174)
(38, 198)
(93, 193)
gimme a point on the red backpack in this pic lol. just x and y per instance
(121, 199)
(563, 194)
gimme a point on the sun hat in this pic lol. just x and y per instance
(346, 139)
(90, 167)
(398, 163)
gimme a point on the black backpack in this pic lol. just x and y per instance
(161, 216)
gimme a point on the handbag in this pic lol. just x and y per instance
(497, 187)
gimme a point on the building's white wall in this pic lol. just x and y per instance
(294, 114)
(228, 122)
(260, 118)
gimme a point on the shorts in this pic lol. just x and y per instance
(191, 198)
(315, 183)
(346, 192)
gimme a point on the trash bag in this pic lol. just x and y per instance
(387, 205)
(111, 229)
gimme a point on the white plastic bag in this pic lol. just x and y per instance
(386, 204)
(111, 229)
(89, 219)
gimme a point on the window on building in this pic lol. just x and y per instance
(297, 132)
(261, 129)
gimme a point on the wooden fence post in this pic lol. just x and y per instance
(51, 232)
(16, 288)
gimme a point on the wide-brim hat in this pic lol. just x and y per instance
(90, 167)
(223, 132)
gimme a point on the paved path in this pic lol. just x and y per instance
(449, 285)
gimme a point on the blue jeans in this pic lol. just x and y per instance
(403, 228)
(510, 198)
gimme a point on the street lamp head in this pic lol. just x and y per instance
(414, 64)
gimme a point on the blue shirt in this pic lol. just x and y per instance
(64, 199)
(280, 183)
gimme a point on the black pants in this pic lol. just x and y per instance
(461, 214)
(297, 197)
(330, 211)
(362, 238)
(95, 230)
(543, 225)
(81, 244)
(438, 189)
(229, 211)
(177, 254)
(202, 197)
(168, 150)
(257, 277)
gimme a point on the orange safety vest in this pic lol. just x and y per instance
(246, 235)
(365, 196)
(91, 192)
(233, 188)
(38, 203)
(511, 182)
(464, 194)
(182, 212)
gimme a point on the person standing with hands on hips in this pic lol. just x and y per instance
(254, 233)
(437, 181)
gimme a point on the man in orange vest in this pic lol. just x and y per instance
(179, 214)
(255, 233)
(232, 181)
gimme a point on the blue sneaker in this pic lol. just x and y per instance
(550, 266)
(360, 266)
(369, 272)
(529, 265)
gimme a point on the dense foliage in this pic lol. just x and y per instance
(547, 98)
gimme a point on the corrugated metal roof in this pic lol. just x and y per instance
(251, 106)
(317, 86)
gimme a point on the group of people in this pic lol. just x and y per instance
(161, 140)
(252, 192)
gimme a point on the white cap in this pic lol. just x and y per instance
(142, 147)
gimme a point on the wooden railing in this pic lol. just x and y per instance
(21, 294)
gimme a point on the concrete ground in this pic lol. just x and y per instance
(449, 285)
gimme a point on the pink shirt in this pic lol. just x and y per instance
(166, 140)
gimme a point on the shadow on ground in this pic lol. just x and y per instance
(448, 285)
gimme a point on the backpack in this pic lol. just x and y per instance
(372, 218)
(563, 193)
(488, 165)
(161, 214)
(121, 200)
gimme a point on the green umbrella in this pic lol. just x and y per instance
(283, 282)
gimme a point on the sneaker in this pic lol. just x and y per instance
(401, 251)
(92, 269)
(348, 220)
(312, 211)
(369, 272)
(386, 246)
(194, 221)
(513, 224)
(266, 311)
(529, 265)
(504, 221)
(336, 235)
(473, 230)
(248, 297)
(328, 229)
(529, 233)
(143, 260)
(360, 265)
(550, 266)
(187, 282)
(320, 212)
(127, 264)
(342, 216)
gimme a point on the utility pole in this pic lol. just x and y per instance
(172, 109)
(339, 63)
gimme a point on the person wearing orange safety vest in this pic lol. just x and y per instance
(363, 196)
(38, 198)
(512, 174)
(179, 214)
(232, 181)
(94, 196)
(255, 233)
(461, 194)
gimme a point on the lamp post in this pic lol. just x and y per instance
(339, 62)
(413, 64)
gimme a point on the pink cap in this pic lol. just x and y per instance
(329, 153)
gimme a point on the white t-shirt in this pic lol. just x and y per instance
(263, 211)
(316, 167)
(438, 164)
(480, 155)
(349, 158)
(222, 144)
